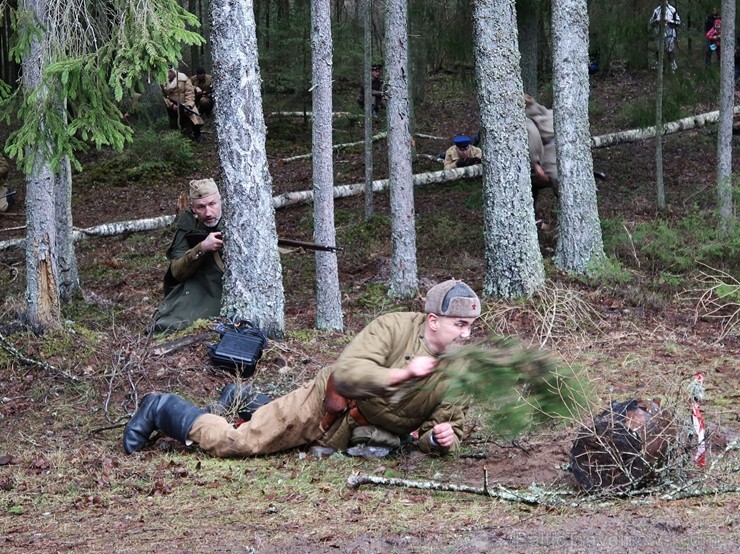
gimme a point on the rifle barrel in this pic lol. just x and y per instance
(308, 245)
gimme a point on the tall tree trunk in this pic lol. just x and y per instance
(404, 279)
(69, 281)
(367, 80)
(527, 12)
(328, 295)
(724, 133)
(580, 247)
(514, 265)
(42, 279)
(253, 285)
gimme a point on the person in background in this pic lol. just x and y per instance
(6, 197)
(179, 97)
(670, 36)
(462, 153)
(377, 90)
(708, 25)
(203, 85)
(714, 39)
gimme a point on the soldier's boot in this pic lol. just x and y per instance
(165, 412)
(197, 137)
(240, 398)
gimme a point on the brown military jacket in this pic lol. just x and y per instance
(362, 371)
(204, 83)
(451, 156)
(180, 91)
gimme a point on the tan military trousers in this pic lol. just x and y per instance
(287, 422)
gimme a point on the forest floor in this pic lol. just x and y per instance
(67, 486)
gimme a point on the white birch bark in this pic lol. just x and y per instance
(328, 295)
(580, 248)
(724, 133)
(514, 265)
(253, 287)
(42, 277)
(404, 279)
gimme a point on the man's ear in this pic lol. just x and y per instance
(433, 321)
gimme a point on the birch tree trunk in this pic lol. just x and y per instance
(527, 12)
(368, 60)
(724, 133)
(42, 277)
(404, 279)
(513, 260)
(253, 286)
(579, 247)
(328, 295)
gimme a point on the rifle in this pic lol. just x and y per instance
(7, 194)
(183, 107)
(195, 237)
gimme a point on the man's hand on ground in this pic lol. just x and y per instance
(443, 435)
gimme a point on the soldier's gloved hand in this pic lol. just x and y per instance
(474, 161)
(463, 162)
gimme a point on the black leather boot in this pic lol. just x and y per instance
(172, 415)
(243, 398)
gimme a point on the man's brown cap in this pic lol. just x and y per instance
(452, 298)
(202, 188)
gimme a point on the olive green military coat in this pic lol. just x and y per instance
(193, 284)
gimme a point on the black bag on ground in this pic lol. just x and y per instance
(239, 349)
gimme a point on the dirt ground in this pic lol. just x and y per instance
(67, 486)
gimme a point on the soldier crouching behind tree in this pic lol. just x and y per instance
(384, 384)
(179, 97)
(193, 283)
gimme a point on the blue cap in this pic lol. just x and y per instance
(461, 140)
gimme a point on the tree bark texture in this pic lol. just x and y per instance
(328, 295)
(579, 247)
(724, 133)
(659, 184)
(404, 279)
(42, 279)
(253, 287)
(367, 80)
(514, 265)
(69, 280)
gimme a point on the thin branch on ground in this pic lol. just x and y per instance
(6, 345)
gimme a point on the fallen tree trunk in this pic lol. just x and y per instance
(343, 191)
(106, 230)
(375, 138)
(636, 135)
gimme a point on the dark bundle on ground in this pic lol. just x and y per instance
(626, 447)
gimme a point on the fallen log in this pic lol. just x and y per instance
(636, 135)
(343, 191)
(375, 138)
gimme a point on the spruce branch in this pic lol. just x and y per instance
(521, 385)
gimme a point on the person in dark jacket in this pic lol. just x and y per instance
(193, 282)
(384, 384)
